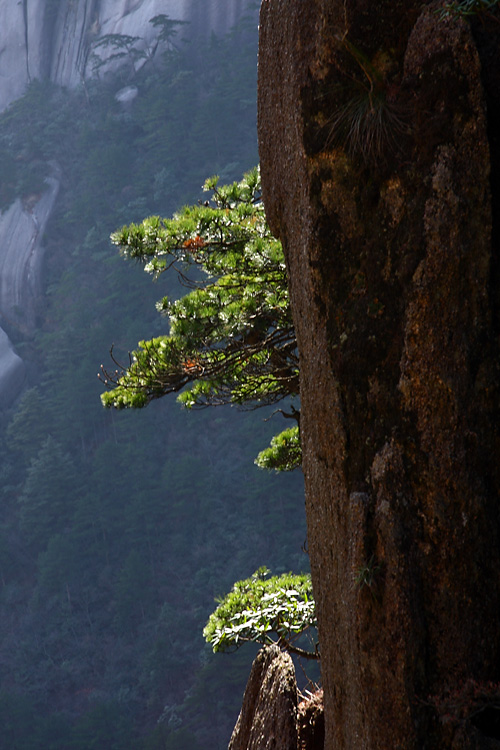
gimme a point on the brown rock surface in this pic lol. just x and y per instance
(375, 159)
(268, 718)
(311, 722)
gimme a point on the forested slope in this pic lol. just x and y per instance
(118, 530)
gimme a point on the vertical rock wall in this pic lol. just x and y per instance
(12, 371)
(268, 718)
(51, 39)
(375, 167)
(21, 229)
(13, 61)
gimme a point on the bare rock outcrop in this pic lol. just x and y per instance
(22, 226)
(380, 170)
(272, 717)
(268, 718)
(53, 40)
(12, 371)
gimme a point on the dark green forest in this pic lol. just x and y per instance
(118, 530)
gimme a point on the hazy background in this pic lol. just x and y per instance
(118, 530)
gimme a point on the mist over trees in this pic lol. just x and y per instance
(119, 530)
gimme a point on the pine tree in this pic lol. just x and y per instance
(231, 338)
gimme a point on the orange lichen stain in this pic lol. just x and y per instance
(194, 243)
(393, 200)
(191, 366)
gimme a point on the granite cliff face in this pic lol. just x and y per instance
(380, 175)
(271, 717)
(51, 40)
(21, 233)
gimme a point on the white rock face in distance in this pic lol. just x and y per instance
(21, 230)
(21, 251)
(47, 39)
(51, 39)
(12, 371)
(127, 94)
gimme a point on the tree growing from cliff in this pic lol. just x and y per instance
(123, 47)
(266, 610)
(231, 338)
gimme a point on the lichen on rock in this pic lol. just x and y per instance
(389, 254)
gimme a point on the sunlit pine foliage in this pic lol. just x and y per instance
(231, 337)
(284, 453)
(266, 610)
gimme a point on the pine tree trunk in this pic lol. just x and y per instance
(379, 175)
